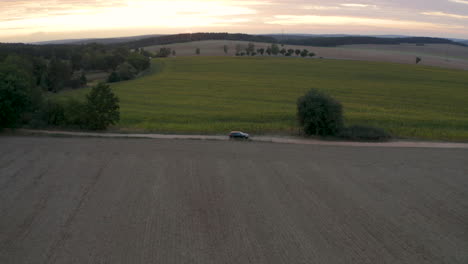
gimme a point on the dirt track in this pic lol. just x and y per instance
(75, 200)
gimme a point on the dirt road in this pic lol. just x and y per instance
(95, 200)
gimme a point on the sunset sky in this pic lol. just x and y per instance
(39, 20)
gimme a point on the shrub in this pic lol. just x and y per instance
(102, 107)
(126, 71)
(365, 133)
(75, 114)
(163, 53)
(53, 113)
(319, 114)
(113, 77)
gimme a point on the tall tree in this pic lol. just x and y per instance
(275, 49)
(250, 48)
(16, 94)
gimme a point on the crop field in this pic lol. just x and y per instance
(258, 95)
(438, 55)
(88, 200)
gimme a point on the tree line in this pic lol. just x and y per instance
(273, 49)
(28, 72)
(353, 40)
(188, 37)
(55, 67)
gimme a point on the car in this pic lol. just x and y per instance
(238, 135)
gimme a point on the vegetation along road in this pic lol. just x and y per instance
(75, 200)
(258, 95)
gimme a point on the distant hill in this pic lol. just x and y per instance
(104, 41)
(353, 40)
(292, 39)
(320, 40)
(181, 38)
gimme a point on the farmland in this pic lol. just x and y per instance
(438, 55)
(87, 200)
(217, 94)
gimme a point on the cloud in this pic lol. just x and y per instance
(358, 5)
(460, 1)
(23, 17)
(442, 14)
(291, 20)
(318, 7)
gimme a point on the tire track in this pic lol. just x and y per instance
(63, 234)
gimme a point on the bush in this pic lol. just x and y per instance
(102, 108)
(126, 71)
(113, 77)
(365, 133)
(319, 114)
(53, 113)
(163, 53)
(75, 114)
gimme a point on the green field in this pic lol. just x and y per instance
(258, 95)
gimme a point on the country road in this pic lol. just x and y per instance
(127, 200)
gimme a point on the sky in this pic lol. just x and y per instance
(41, 20)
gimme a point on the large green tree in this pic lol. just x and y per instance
(16, 94)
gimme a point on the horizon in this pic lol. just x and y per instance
(47, 20)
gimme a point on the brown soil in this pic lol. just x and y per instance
(89, 200)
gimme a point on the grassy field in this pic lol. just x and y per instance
(258, 95)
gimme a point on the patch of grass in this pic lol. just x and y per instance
(258, 95)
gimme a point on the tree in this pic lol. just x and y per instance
(311, 54)
(261, 51)
(238, 48)
(102, 107)
(197, 51)
(163, 53)
(15, 94)
(283, 51)
(226, 49)
(418, 60)
(250, 48)
(138, 61)
(320, 114)
(298, 51)
(275, 49)
(268, 51)
(77, 80)
(304, 53)
(113, 77)
(126, 71)
(145, 53)
(174, 53)
(59, 72)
